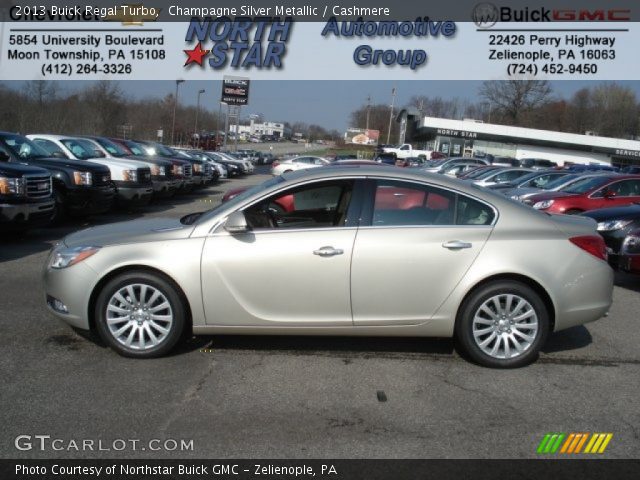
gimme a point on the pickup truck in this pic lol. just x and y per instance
(26, 198)
(79, 188)
(131, 178)
(406, 150)
(162, 178)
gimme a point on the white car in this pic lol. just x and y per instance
(502, 175)
(297, 163)
(131, 177)
(245, 166)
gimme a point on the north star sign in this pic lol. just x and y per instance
(456, 133)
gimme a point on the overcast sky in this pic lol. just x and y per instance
(326, 103)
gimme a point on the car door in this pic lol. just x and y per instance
(291, 268)
(414, 246)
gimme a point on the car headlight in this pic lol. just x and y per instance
(157, 171)
(543, 205)
(515, 197)
(631, 244)
(611, 225)
(177, 170)
(82, 178)
(67, 257)
(12, 186)
(130, 176)
(197, 167)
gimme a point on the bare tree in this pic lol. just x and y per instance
(513, 98)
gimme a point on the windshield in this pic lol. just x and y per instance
(82, 149)
(23, 147)
(136, 148)
(585, 185)
(487, 174)
(114, 149)
(241, 197)
(560, 182)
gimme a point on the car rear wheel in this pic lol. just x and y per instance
(503, 325)
(140, 315)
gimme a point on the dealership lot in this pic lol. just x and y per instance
(303, 397)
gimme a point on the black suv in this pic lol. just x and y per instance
(79, 188)
(26, 198)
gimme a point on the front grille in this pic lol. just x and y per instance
(187, 171)
(208, 170)
(144, 175)
(100, 179)
(38, 186)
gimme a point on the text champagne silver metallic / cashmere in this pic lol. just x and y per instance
(352, 250)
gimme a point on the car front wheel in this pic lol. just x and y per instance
(140, 315)
(503, 325)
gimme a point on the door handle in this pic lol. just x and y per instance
(456, 245)
(328, 251)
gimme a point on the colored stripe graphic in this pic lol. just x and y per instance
(573, 443)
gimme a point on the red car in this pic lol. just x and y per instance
(603, 191)
(630, 253)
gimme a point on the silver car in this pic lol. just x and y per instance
(357, 250)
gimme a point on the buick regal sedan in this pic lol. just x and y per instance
(363, 250)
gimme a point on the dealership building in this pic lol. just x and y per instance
(478, 139)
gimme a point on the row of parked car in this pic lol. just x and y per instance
(609, 196)
(45, 177)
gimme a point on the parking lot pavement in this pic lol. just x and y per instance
(303, 397)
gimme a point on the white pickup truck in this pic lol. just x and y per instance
(406, 150)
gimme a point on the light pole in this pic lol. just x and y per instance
(175, 106)
(393, 101)
(195, 128)
(368, 109)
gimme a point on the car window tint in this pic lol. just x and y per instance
(48, 145)
(402, 203)
(473, 212)
(625, 188)
(318, 205)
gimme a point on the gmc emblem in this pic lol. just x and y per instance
(592, 15)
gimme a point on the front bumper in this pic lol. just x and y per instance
(163, 187)
(89, 200)
(72, 288)
(24, 215)
(133, 195)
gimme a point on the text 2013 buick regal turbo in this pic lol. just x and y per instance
(356, 250)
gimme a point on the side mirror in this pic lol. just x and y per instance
(609, 193)
(58, 155)
(99, 154)
(237, 223)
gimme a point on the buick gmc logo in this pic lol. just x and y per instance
(486, 15)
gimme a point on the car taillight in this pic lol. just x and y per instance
(593, 244)
(275, 163)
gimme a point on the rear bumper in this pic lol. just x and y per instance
(89, 200)
(26, 215)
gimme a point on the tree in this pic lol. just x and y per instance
(617, 110)
(514, 98)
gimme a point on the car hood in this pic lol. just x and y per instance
(137, 231)
(119, 163)
(551, 196)
(79, 165)
(628, 212)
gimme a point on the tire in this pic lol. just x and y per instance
(120, 326)
(59, 213)
(481, 325)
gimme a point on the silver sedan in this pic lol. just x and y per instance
(352, 250)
